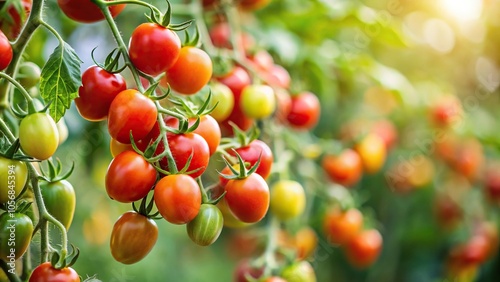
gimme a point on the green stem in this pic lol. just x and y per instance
(12, 276)
(26, 265)
(172, 166)
(140, 3)
(53, 31)
(17, 85)
(204, 195)
(268, 257)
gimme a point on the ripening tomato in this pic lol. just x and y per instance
(229, 219)
(15, 234)
(341, 226)
(5, 51)
(60, 200)
(153, 48)
(345, 169)
(132, 112)
(386, 130)
(251, 154)
(306, 242)
(283, 105)
(220, 35)
(299, 272)
(129, 177)
(38, 135)
(253, 4)
(278, 76)
(116, 147)
(45, 272)
(288, 199)
(206, 227)
(191, 71)
(224, 99)
(133, 237)
(305, 111)
(468, 158)
(99, 88)
(262, 60)
(446, 111)
(364, 248)
(257, 101)
(178, 198)
(12, 24)
(208, 129)
(12, 179)
(248, 198)
(373, 152)
(85, 11)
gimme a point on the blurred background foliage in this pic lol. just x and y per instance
(366, 60)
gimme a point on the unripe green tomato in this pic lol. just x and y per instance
(13, 176)
(29, 74)
(38, 135)
(288, 199)
(60, 200)
(224, 98)
(258, 101)
(15, 235)
(206, 227)
(299, 272)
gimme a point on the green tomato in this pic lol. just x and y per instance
(15, 235)
(29, 74)
(224, 98)
(38, 135)
(288, 199)
(299, 272)
(206, 227)
(60, 200)
(258, 101)
(13, 177)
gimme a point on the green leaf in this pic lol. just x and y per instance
(60, 80)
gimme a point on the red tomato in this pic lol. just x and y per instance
(154, 49)
(345, 169)
(262, 60)
(446, 112)
(283, 104)
(129, 177)
(98, 90)
(208, 129)
(251, 154)
(248, 198)
(364, 248)
(341, 226)
(447, 211)
(278, 76)
(253, 4)
(305, 111)
(85, 11)
(468, 158)
(220, 36)
(5, 51)
(46, 273)
(182, 146)
(191, 71)
(131, 111)
(12, 25)
(178, 198)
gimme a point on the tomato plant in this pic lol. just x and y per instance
(251, 154)
(85, 11)
(208, 128)
(248, 198)
(133, 237)
(40, 127)
(45, 272)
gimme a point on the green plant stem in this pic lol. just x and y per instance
(12, 276)
(17, 85)
(204, 195)
(268, 258)
(140, 3)
(26, 265)
(53, 31)
(172, 166)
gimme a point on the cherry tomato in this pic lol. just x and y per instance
(283, 105)
(46, 273)
(253, 4)
(85, 11)
(446, 112)
(38, 135)
(248, 198)
(5, 51)
(220, 35)
(60, 200)
(191, 71)
(206, 227)
(251, 154)
(28, 74)
(345, 169)
(305, 111)
(306, 241)
(373, 152)
(99, 88)
(15, 235)
(278, 76)
(116, 147)
(154, 49)
(129, 177)
(468, 158)
(131, 111)
(133, 237)
(208, 129)
(12, 25)
(364, 248)
(224, 99)
(386, 130)
(257, 101)
(447, 211)
(299, 272)
(288, 199)
(12, 179)
(342, 226)
(262, 60)
(178, 198)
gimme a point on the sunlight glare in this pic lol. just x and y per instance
(463, 9)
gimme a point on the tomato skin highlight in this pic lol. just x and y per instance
(305, 111)
(99, 89)
(22, 234)
(60, 200)
(5, 51)
(345, 169)
(129, 177)
(341, 226)
(133, 237)
(206, 227)
(42, 128)
(46, 273)
(248, 198)
(191, 72)
(153, 49)
(178, 198)
(20, 172)
(131, 111)
(85, 11)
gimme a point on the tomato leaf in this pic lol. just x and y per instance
(60, 80)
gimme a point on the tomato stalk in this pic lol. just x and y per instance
(17, 85)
